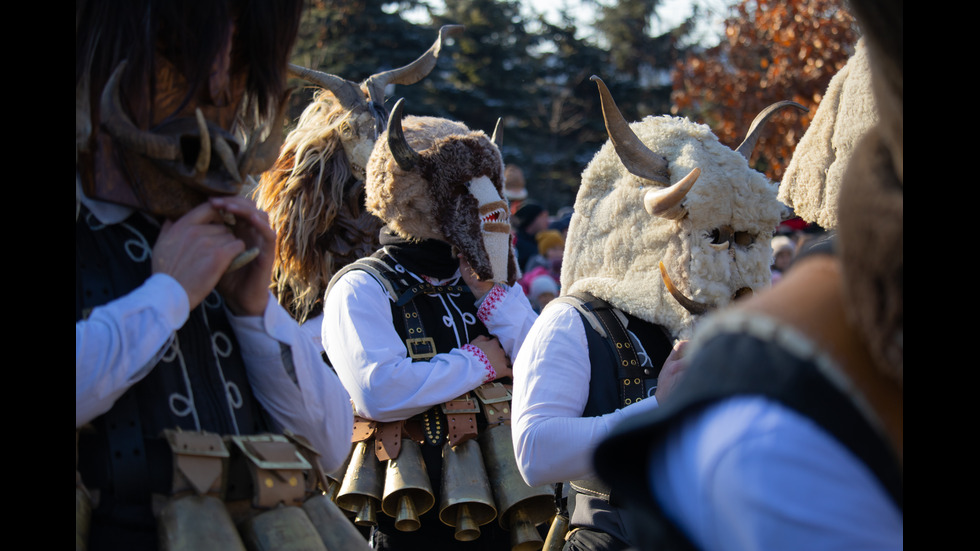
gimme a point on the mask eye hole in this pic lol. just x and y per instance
(720, 235)
(743, 239)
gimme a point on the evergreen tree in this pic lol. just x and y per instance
(354, 39)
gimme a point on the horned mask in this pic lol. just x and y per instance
(669, 223)
(364, 103)
(314, 195)
(432, 178)
(199, 149)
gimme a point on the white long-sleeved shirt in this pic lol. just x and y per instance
(119, 343)
(552, 441)
(370, 358)
(749, 474)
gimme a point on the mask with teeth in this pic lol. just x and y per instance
(494, 224)
(436, 179)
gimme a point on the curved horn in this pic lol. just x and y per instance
(348, 93)
(498, 135)
(414, 71)
(752, 137)
(404, 155)
(666, 202)
(634, 154)
(204, 155)
(120, 127)
(695, 308)
(260, 155)
(227, 157)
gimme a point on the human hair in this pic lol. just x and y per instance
(189, 34)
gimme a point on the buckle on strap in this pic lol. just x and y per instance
(421, 348)
(495, 401)
(200, 461)
(492, 393)
(276, 467)
(463, 404)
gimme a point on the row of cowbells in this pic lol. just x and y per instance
(203, 523)
(192, 523)
(480, 483)
(303, 520)
(296, 518)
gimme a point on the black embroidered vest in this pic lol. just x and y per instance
(200, 382)
(626, 354)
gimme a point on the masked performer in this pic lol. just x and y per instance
(168, 333)
(787, 431)
(434, 314)
(662, 191)
(315, 192)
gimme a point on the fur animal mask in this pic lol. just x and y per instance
(315, 193)
(432, 178)
(812, 181)
(705, 215)
(364, 114)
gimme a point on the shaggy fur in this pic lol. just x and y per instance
(615, 245)
(432, 201)
(871, 225)
(811, 184)
(315, 203)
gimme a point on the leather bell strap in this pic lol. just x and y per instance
(388, 440)
(277, 469)
(495, 401)
(363, 429)
(199, 461)
(305, 448)
(629, 371)
(461, 419)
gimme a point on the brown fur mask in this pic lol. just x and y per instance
(440, 195)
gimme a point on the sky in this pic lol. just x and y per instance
(671, 13)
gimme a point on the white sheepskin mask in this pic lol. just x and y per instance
(616, 246)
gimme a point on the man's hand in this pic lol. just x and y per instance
(478, 287)
(246, 290)
(196, 250)
(498, 358)
(672, 372)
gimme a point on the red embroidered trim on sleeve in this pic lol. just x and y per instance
(491, 373)
(490, 302)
